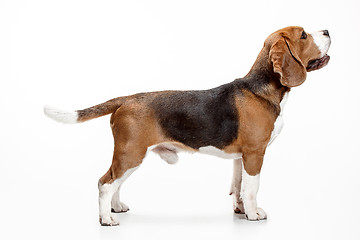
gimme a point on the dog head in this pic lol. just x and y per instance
(293, 52)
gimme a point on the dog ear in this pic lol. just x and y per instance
(287, 63)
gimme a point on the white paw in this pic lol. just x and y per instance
(108, 221)
(256, 215)
(238, 206)
(119, 207)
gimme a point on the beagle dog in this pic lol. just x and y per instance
(237, 120)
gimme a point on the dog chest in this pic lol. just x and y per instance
(279, 123)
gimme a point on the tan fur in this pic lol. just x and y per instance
(134, 130)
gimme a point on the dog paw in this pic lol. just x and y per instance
(238, 207)
(108, 221)
(239, 211)
(256, 215)
(119, 208)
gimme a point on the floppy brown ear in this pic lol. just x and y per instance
(286, 62)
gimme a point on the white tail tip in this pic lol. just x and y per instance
(60, 115)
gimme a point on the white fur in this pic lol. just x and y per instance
(279, 123)
(322, 42)
(107, 199)
(249, 189)
(236, 186)
(61, 115)
(116, 204)
(210, 150)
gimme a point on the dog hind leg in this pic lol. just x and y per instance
(109, 197)
(125, 162)
(134, 131)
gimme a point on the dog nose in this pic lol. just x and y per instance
(326, 33)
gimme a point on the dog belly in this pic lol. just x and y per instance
(169, 151)
(213, 151)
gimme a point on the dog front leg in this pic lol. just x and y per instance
(236, 187)
(250, 186)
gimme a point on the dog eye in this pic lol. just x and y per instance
(303, 35)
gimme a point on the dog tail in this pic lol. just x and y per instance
(79, 116)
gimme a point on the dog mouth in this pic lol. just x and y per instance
(318, 63)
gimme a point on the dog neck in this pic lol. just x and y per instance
(263, 81)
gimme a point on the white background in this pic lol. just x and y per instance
(74, 54)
